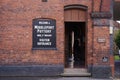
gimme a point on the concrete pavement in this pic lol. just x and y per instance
(50, 78)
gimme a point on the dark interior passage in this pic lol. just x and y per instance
(75, 44)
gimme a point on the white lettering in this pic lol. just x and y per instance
(43, 31)
(44, 39)
(43, 27)
(43, 43)
(44, 22)
(48, 35)
(39, 35)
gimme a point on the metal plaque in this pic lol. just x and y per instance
(101, 40)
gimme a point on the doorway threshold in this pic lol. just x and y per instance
(75, 72)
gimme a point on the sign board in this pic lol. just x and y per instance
(105, 15)
(101, 40)
(44, 34)
(101, 22)
(105, 59)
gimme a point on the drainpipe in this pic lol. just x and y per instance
(111, 27)
(111, 34)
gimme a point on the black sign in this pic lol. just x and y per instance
(44, 34)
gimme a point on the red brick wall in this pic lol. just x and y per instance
(16, 31)
(101, 49)
(103, 4)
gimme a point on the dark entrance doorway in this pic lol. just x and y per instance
(75, 44)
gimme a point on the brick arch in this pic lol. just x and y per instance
(75, 6)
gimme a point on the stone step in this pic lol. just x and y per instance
(76, 72)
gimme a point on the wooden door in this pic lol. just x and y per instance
(76, 15)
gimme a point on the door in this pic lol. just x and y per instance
(75, 36)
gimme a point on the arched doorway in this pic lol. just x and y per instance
(75, 17)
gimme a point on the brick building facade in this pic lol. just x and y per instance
(88, 20)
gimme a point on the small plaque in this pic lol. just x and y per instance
(44, 34)
(101, 40)
(101, 22)
(105, 59)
